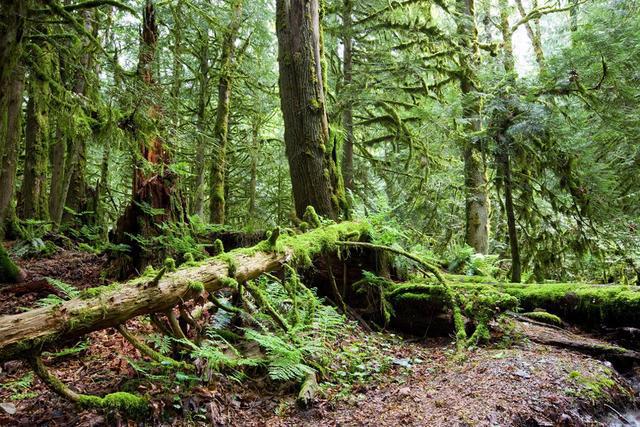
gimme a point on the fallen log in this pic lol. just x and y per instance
(555, 337)
(26, 334)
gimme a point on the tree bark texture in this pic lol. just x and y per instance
(312, 157)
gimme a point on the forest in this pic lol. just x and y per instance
(320, 213)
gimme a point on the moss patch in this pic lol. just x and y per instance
(544, 317)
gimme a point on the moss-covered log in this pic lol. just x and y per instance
(24, 334)
(586, 305)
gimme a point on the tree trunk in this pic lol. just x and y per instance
(477, 202)
(154, 190)
(253, 181)
(221, 130)
(504, 159)
(534, 36)
(347, 115)
(202, 137)
(11, 133)
(315, 177)
(504, 146)
(33, 203)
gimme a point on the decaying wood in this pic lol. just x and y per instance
(29, 333)
(544, 334)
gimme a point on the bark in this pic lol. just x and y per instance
(253, 180)
(507, 41)
(347, 77)
(68, 154)
(154, 184)
(201, 119)
(221, 130)
(11, 133)
(504, 147)
(477, 202)
(312, 156)
(33, 202)
(504, 160)
(26, 334)
(13, 14)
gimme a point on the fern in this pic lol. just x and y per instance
(69, 292)
(285, 361)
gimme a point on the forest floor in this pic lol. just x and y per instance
(416, 382)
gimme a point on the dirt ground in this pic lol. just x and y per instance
(426, 383)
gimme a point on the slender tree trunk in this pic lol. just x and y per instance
(315, 177)
(477, 202)
(253, 181)
(201, 120)
(504, 146)
(347, 115)
(534, 36)
(505, 172)
(221, 130)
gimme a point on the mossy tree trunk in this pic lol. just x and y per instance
(9, 272)
(156, 198)
(221, 129)
(13, 14)
(33, 194)
(503, 142)
(312, 155)
(347, 78)
(10, 132)
(203, 139)
(477, 202)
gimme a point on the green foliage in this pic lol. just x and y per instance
(464, 260)
(19, 388)
(68, 291)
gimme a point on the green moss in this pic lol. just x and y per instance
(100, 290)
(544, 317)
(132, 405)
(218, 247)
(229, 282)
(9, 272)
(232, 264)
(311, 217)
(170, 264)
(196, 287)
(598, 386)
(612, 305)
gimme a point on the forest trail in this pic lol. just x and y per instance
(419, 382)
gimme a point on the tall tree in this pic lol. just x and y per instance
(155, 195)
(477, 202)
(312, 155)
(221, 130)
